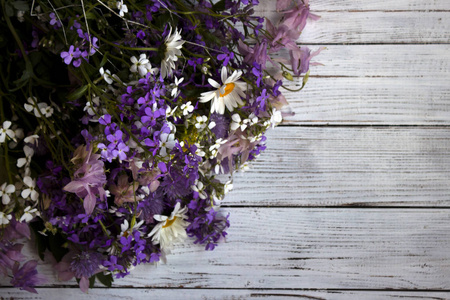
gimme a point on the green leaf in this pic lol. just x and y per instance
(21, 5)
(106, 280)
(219, 6)
(104, 59)
(55, 245)
(78, 93)
(9, 9)
(91, 281)
(41, 242)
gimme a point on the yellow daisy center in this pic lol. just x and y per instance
(169, 222)
(229, 87)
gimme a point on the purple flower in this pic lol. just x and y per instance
(54, 21)
(226, 57)
(71, 54)
(222, 125)
(86, 264)
(140, 34)
(150, 206)
(121, 151)
(91, 183)
(300, 59)
(26, 277)
(112, 264)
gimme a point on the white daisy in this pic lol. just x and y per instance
(173, 45)
(170, 229)
(228, 94)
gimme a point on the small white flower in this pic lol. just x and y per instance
(5, 131)
(18, 133)
(201, 122)
(252, 119)
(167, 143)
(4, 218)
(30, 191)
(123, 9)
(142, 66)
(32, 139)
(199, 189)
(39, 109)
(28, 214)
(170, 229)
(173, 45)
(125, 229)
(46, 110)
(237, 122)
(228, 94)
(25, 161)
(244, 167)
(106, 75)
(199, 150)
(227, 187)
(214, 149)
(170, 111)
(29, 107)
(276, 117)
(174, 92)
(6, 191)
(187, 108)
(89, 106)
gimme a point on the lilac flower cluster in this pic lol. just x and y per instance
(141, 121)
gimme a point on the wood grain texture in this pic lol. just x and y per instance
(307, 166)
(311, 248)
(375, 84)
(216, 294)
(385, 22)
(381, 27)
(364, 5)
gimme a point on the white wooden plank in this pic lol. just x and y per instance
(423, 61)
(307, 166)
(214, 294)
(358, 24)
(375, 84)
(378, 27)
(371, 100)
(366, 5)
(305, 248)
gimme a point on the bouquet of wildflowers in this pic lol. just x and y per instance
(117, 118)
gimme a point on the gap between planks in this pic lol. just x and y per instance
(235, 294)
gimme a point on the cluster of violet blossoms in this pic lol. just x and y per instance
(130, 148)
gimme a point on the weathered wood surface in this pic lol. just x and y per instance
(312, 248)
(328, 166)
(387, 63)
(364, 5)
(385, 22)
(216, 294)
(375, 84)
